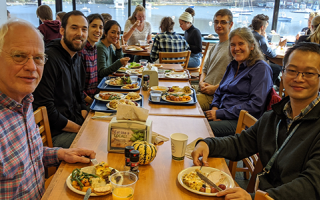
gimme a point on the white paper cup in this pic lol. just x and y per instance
(178, 145)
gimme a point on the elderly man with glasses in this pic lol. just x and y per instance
(22, 154)
(286, 138)
(218, 58)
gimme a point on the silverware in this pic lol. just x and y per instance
(94, 162)
(106, 85)
(208, 181)
(86, 197)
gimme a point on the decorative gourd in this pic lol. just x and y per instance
(147, 151)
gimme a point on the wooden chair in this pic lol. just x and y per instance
(261, 195)
(41, 119)
(245, 120)
(282, 91)
(205, 47)
(184, 55)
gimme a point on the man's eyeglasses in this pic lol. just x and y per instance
(21, 59)
(305, 75)
(223, 22)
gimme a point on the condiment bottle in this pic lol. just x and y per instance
(134, 162)
(127, 151)
(145, 86)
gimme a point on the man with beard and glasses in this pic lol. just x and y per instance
(61, 88)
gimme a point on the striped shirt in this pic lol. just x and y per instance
(168, 42)
(287, 109)
(89, 60)
(22, 155)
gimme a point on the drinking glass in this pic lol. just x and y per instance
(123, 184)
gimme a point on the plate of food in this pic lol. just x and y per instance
(189, 179)
(211, 37)
(135, 71)
(131, 86)
(134, 65)
(176, 75)
(134, 48)
(108, 96)
(133, 96)
(113, 105)
(122, 69)
(94, 177)
(119, 81)
(176, 98)
(162, 89)
(176, 90)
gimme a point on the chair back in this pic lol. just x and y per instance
(262, 195)
(205, 47)
(41, 118)
(244, 120)
(181, 57)
(282, 91)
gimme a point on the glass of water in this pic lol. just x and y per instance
(134, 78)
(143, 62)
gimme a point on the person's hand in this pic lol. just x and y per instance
(283, 43)
(84, 113)
(203, 84)
(297, 36)
(209, 89)
(235, 193)
(124, 61)
(117, 44)
(136, 24)
(201, 150)
(75, 155)
(211, 114)
(264, 34)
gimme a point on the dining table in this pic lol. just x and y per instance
(157, 180)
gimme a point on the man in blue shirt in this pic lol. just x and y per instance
(259, 24)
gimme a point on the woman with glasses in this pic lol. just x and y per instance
(167, 40)
(315, 32)
(136, 29)
(193, 37)
(244, 86)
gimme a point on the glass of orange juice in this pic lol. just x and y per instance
(123, 184)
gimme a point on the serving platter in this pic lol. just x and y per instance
(189, 103)
(165, 99)
(105, 87)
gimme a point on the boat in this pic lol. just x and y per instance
(240, 10)
(301, 11)
(284, 18)
(245, 13)
(85, 9)
(119, 5)
(191, 6)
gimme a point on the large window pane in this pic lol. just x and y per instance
(118, 9)
(26, 9)
(67, 5)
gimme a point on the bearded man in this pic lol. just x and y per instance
(61, 88)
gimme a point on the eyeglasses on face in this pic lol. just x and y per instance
(305, 75)
(21, 59)
(222, 22)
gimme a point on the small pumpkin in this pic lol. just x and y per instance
(147, 151)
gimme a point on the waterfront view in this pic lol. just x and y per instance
(154, 13)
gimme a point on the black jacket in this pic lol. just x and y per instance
(61, 88)
(295, 173)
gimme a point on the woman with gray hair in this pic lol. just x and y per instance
(315, 32)
(244, 86)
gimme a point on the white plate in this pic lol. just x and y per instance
(131, 88)
(180, 92)
(100, 99)
(228, 182)
(164, 98)
(122, 71)
(211, 38)
(176, 75)
(116, 109)
(134, 99)
(89, 170)
(134, 71)
(107, 82)
(134, 49)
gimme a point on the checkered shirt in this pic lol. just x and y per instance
(22, 155)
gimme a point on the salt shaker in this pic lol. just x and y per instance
(145, 86)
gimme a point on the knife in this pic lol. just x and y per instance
(205, 179)
(86, 197)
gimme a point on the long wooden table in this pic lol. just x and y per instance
(157, 181)
(138, 53)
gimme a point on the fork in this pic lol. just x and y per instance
(106, 85)
(94, 162)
